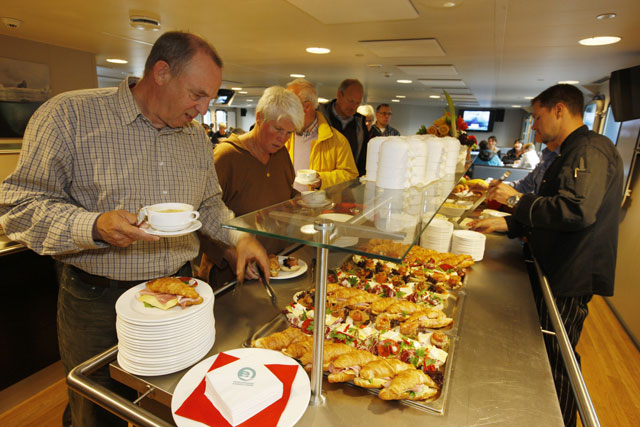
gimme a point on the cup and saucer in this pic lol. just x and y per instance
(306, 177)
(314, 199)
(169, 219)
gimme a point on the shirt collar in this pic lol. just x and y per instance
(313, 128)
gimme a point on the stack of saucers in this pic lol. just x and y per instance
(154, 342)
(437, 235)
(469, 243)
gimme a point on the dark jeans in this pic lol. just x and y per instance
(87, 327)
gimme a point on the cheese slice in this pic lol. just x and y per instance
(152, 300)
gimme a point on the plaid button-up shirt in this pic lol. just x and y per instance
(92, 151)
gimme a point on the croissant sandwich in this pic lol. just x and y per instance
(379, 373)
(412, 384)
(167, 292)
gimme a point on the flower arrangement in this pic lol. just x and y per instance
(444, 126)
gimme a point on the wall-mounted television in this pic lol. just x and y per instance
(478, 120)
(224, 96)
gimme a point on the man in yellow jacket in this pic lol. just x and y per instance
(319, 146)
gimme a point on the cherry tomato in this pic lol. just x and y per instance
(305, 326)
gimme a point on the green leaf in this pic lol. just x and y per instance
(452, 113)
(146, 304)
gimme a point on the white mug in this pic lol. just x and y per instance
(306, 175)
(314, 197)
(170, 216)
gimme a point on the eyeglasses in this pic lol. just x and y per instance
(386, 113)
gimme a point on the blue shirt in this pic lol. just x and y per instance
(531, 182)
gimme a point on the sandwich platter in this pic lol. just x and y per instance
(152, 341)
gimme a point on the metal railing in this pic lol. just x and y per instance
(588, 414)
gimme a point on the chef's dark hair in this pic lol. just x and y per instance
(177, 48)
(569, 95)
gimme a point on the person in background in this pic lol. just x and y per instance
(318, 146)
(341, 113)
(513, 154)
(493, 146)
(90, 159)
(381, 126)
(254, 171)
(529, 158)
(531, 182)
(486, 156)
(571, 223)
(369, 114)
(220, 133)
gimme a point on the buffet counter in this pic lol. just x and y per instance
(500, 373)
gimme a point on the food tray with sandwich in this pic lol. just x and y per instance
(389, 328)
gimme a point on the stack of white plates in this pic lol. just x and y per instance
(468, 242)
(437, 235)
(153, 342)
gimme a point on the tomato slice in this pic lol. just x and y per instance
(387, 348)
(305, 326)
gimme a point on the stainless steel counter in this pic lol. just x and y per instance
(500, 373)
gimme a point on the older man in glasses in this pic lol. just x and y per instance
(381, 127)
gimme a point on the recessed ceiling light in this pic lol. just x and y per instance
(404, 81)
(395, 100)
(117, 61)
(599, 41)
(400, 96)
(568, 82)
(434, 96)
(528, 97)
(297, 76)
(318, 50)
(606, 16)
(236, 88)
(243, 92)
(322, 100)
(516, 106)
(374, 65)
(442, 3)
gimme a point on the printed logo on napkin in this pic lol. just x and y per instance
(245, 375)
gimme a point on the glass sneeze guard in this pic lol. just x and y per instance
(366, 218)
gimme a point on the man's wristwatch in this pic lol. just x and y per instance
(513, 200)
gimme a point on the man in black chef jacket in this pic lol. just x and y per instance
(571, 224)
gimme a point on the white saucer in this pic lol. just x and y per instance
(299, 181)
(322, 204)
(195, 225)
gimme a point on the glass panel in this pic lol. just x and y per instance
(365, 217)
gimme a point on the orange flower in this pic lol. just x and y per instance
(443, 130)
(432, 130)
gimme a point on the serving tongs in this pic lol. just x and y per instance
(482, 198)
(267, 287)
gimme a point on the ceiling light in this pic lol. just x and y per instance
(434, 96)
(568, 82)
(144, 21)
(603, 16)
(395, 100)
(297, 76)
(374, 65)
(249, 100)
(599, 41)
(117, 61)
(442, 3)
(404, 81)
(400, 96)
(236, 88)
(528, 97)
(516, 106)
(318, 50)
(243, 92)
(322, 100)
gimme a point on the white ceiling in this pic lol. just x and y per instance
(500, 51)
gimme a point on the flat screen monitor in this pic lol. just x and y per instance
(224, 96)
(478, 120)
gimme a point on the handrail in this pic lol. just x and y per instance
(78, 380)
(588, 414)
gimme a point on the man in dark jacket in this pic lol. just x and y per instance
(571, 224)
(341, 113)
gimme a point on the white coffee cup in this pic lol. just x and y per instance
(306, 175)
(314, 197)
(170, 216)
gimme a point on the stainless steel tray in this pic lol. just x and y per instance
(436, 406)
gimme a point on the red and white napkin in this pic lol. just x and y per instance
(199, 408)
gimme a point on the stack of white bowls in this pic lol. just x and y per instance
(373, 149)
(469, 243)
(418, 155)
(154, 342)
(451, 150)
(437, 235)
(393, 161)
(435, 154)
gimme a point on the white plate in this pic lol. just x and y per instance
(321, 204)
(195, 225)
(337, 217)
(299, 181)
(134, 311)
(298, 399)
(290, 274)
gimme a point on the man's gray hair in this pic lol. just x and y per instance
(278, 103)
(306, 91)
(347, 83)
(176, 48)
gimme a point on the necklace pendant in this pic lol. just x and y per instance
(268, 174)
